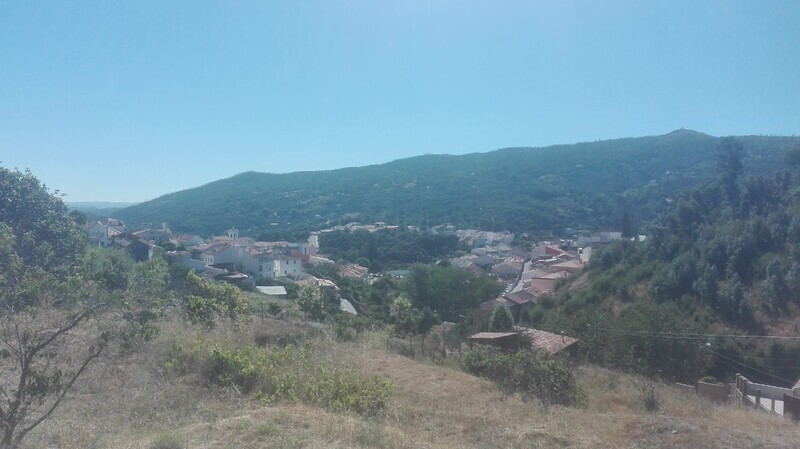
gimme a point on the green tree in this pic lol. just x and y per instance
(627, 227)
(792, 156)
(451, 291)
(207, 299)
(427, 319)
(406, 319)
(45, 236)
(46, 349)
(54, 323)
(501, 320)
(311, 302)
(729, 167)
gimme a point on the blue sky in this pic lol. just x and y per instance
(126, 101)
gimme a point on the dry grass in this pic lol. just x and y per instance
(132, 404)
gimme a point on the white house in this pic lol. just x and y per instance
(157, 236)
(187, 240)
(102, 234)
(287, 265)
(219, 253)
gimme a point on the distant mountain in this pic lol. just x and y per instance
(584, 185)
(97, 210)
(83, 205)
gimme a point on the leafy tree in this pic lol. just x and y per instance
(729, 166)
(46, 350)
(451, 291)
(311, 302)
(274, 309)
(427, 319)
(792, 156)
(208, 299)
(44, 235)
(406, 319)
(627, 227)
(110, 267)
(501, 320)
(58, 314)
(773, 287)
(793, 279)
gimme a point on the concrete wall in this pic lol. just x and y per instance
(713, 392)
(767, 391)
(791, 407)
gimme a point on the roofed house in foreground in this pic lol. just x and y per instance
(507, 341)
(549, 342)
(540, 340)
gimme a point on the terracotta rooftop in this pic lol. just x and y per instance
(569, 264)
(556, 275)
(353, 271)
(520, 297)
(492, 335)
(548, 342)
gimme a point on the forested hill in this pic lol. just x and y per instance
(586, 185)
(716, 274)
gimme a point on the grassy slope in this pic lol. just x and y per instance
(131, 404)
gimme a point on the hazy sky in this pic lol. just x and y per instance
(126, 101)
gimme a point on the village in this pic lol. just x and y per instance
(527, 275)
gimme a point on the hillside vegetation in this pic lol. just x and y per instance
(585, 185)
(725, 260)
(100, 351)
(138, 403)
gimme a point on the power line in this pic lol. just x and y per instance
(781, 359)
(737, 369)
(698, 337)
(748, 367)
(679, 335)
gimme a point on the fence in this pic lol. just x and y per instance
(764, 397)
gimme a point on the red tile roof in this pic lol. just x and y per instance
(492, 335)
(520, 297)
(548, 342)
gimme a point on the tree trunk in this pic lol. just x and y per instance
(8, 436)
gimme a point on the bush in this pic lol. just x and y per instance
(232, 368)
(650, 399)
(528, 372)
(289, 373)
(710, 380)
(168, 441)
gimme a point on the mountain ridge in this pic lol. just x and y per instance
(586, 184)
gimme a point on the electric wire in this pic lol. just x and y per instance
(747, 366)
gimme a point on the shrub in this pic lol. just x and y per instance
(650, 399)
(528, 372)
(283, 374)
(274, 309)
(168, 441)
(710, 380)
(232, 368)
